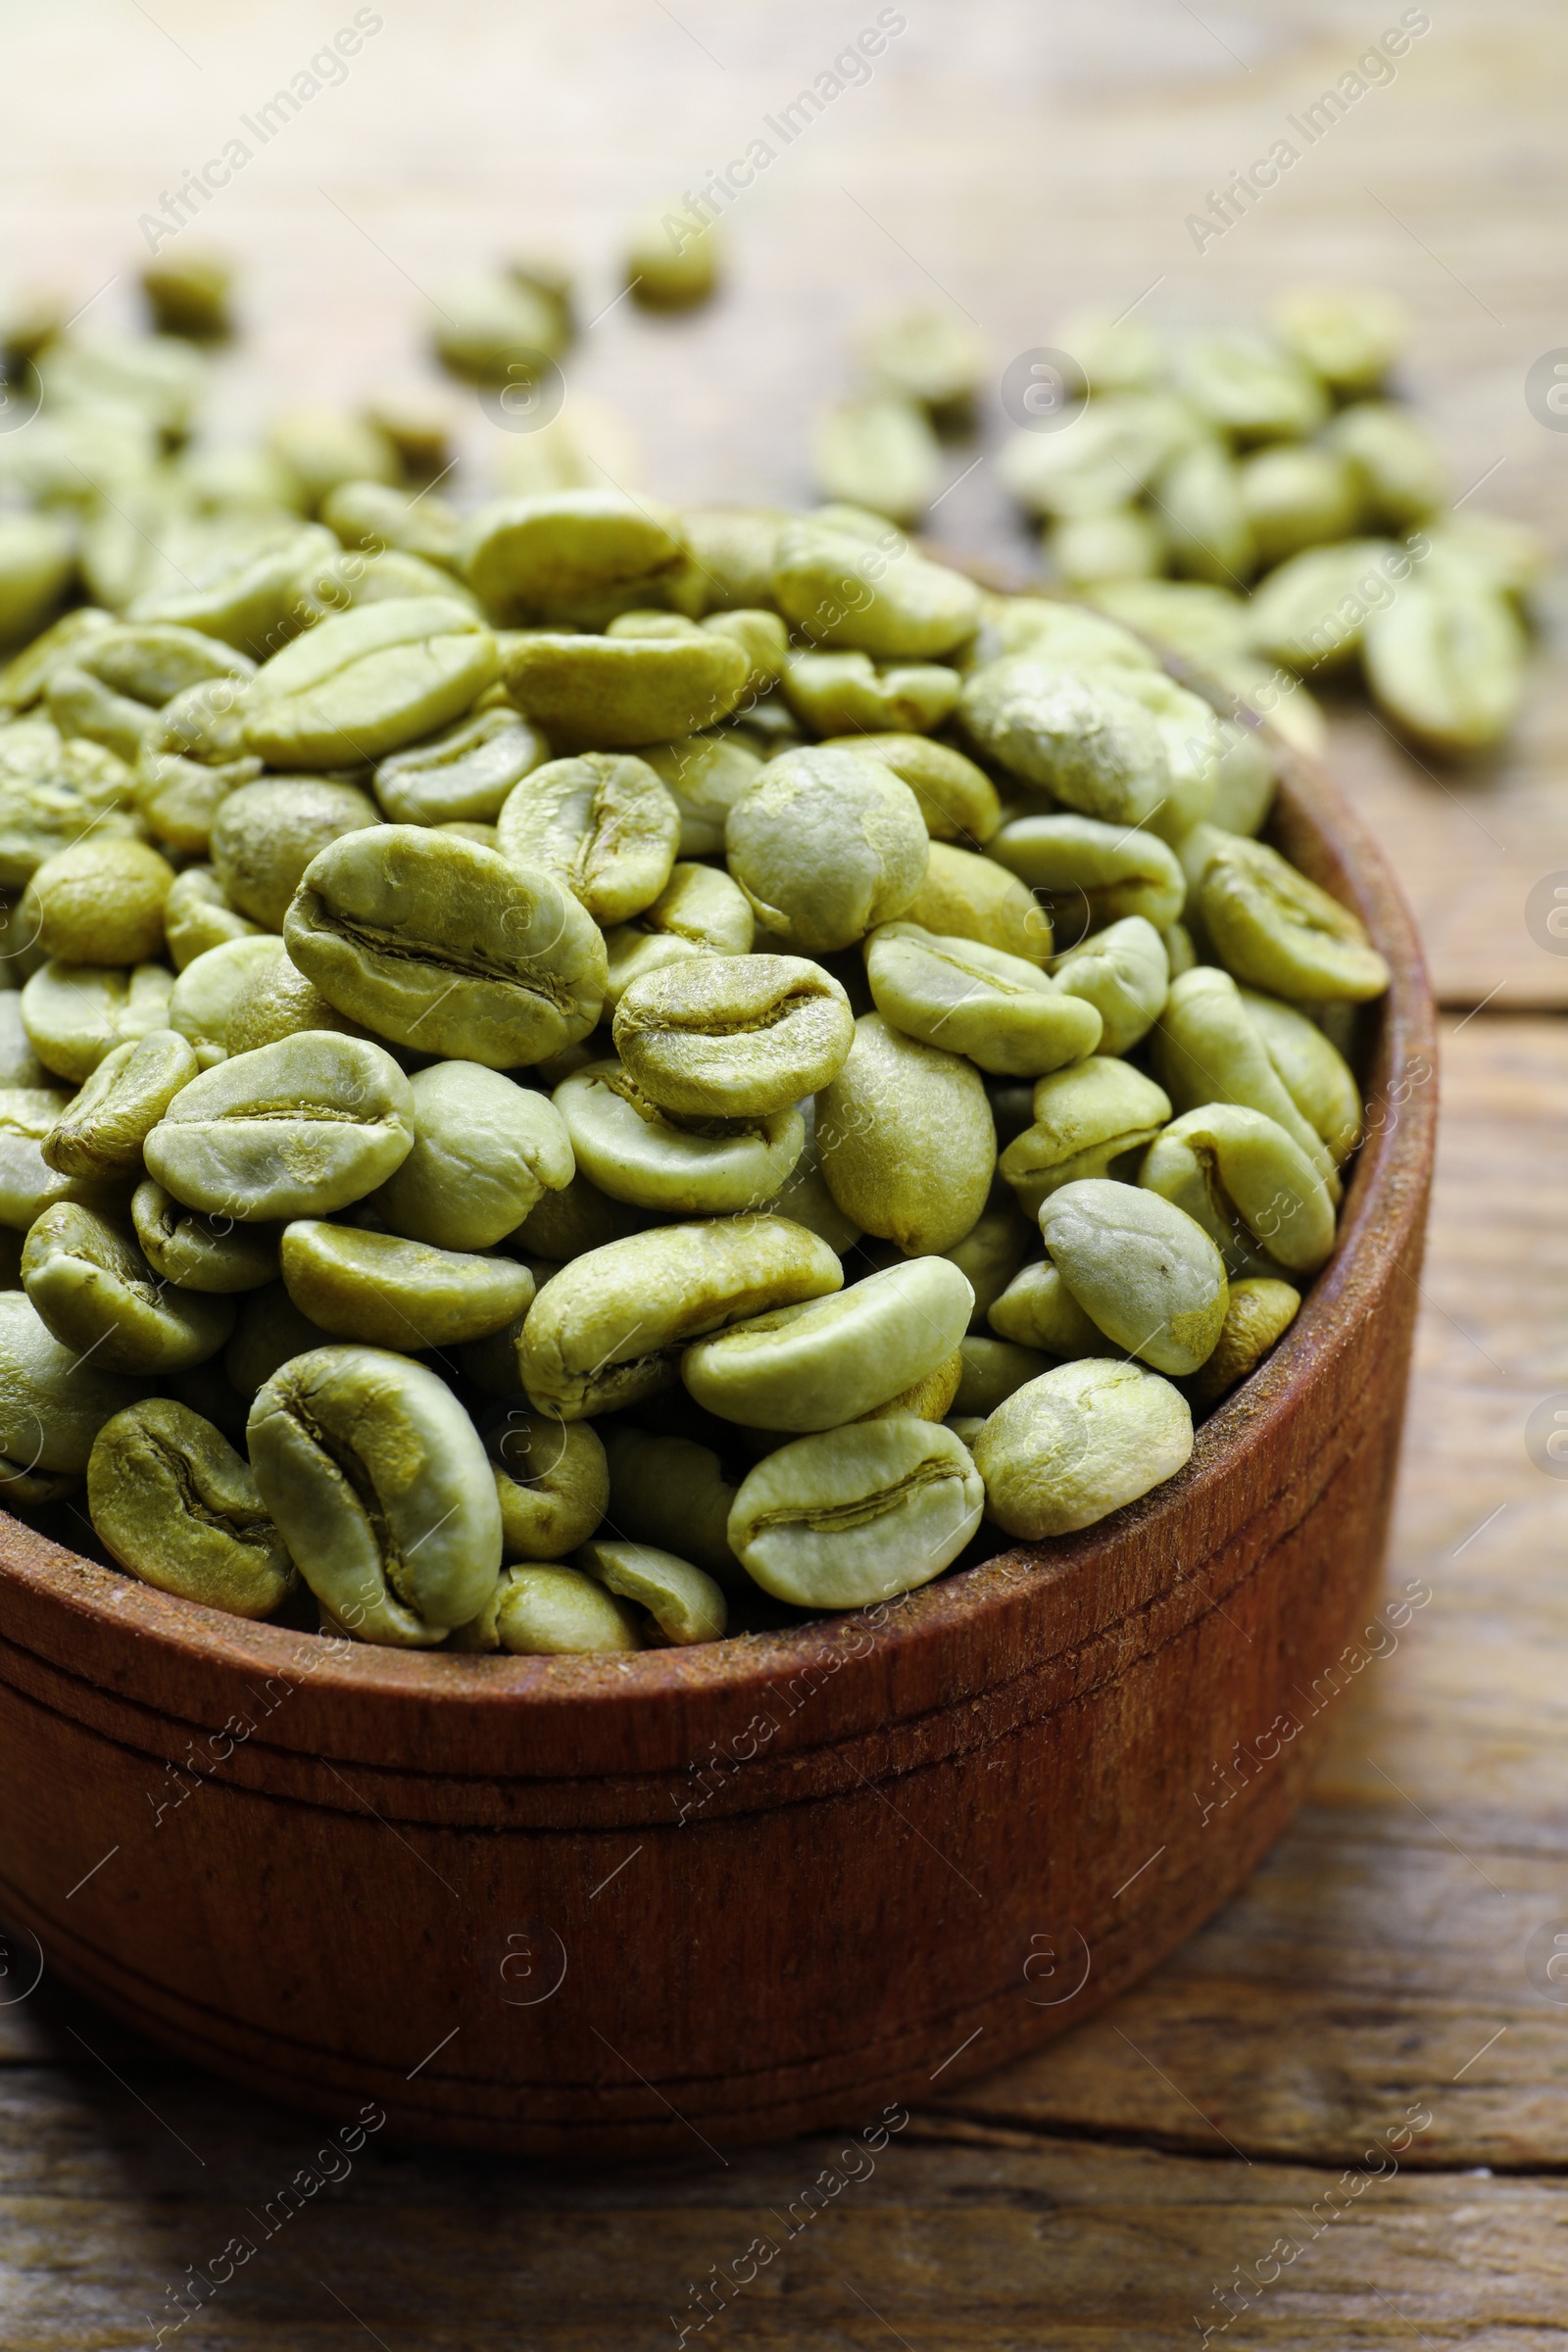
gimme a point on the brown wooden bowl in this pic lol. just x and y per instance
(609, 1906)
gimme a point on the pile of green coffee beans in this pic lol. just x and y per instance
(580, 1076)
(1307, 513)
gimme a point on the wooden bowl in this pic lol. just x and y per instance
(603, 1907)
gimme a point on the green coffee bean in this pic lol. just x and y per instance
(558, 1611)
(618, 690)
(608, 1329)
(178, 799)
(292, 1130)
(268, 1334)
(239, 585)
(734, 1037)
(54, 793)
(1088, 550)
(704, 776)
(827, 845)
(436, 943)
(1114, 452)
(38, 556)
(18, 1064)
(857, 1514)
(26, 677)
(391, 1292)
(1141, 1268)
(1068, 1449)
(878, 452)
(907, 1140)
(265, 835)
(603, 825)
(1486, 550)
(485, 320)
(673, 258)
(322, 448)
(1123, 973)
(838, 692)
(992, 1370)
(957, 800)
(1309, 612)
(373, 515)
(1315, 1074)
(80, 705)
(1259, 1314)
(929, 355)
(52, 1403)
(1248, 387)
(636, 1151)
(276, 1001)
(214, 983)
(1448, 665)
(1209, 1048)
(700, 912)
(684, 1605)
(1087, 1119)
(1061, 635)
(486, 1154)
(368, 681)
(97, 1295)
(1204, 510)
(1080, 738)
(380, 1487)
(1276, 931)
(966, 896)
(464, 774)
(532, 558)
(991, 1254)
(346, 581)
(732, 549)
(1295, 498)
(204, 721)
(1400, 472)
(28, 1184)
(1038, 1310)
(577, 1217)
(552, 1482)
(1249, 1184)
(199, 1253)
(804, 1195)
(1243, 782)
(1348, 335)
(100, 902)
(815, 1366)
(76, 1013)
(177, 1506)
(761, 637)
(868, 595)
(1008, 1016)
(667, 1490)
(1192, 743)
(102, 1132)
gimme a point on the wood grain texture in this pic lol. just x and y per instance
(1032, 160)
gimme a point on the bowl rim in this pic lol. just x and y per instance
(1385, 1198)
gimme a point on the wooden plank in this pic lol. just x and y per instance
(933, 2245)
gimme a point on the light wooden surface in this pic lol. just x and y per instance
(1026, 159)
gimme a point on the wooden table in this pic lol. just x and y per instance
(1388, 1967)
